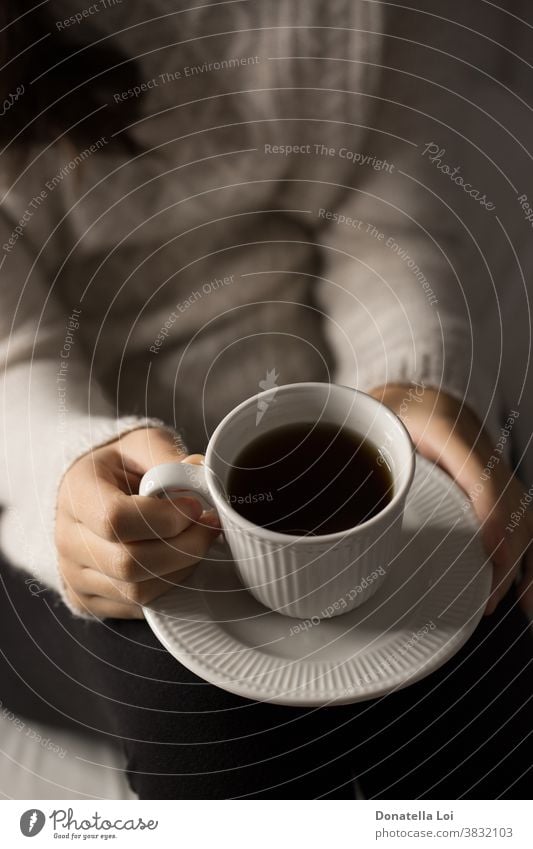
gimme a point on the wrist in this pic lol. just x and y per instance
(411, 396)
(406, 398)
(431, 414)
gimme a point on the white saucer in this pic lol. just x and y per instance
(420, 617)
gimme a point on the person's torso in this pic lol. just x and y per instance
(195, 263)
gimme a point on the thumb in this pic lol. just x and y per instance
(149, 446)
(466, 465)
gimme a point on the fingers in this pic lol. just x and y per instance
(91, 494)
(195, 459)
(506, 551)
(504, 555)
(488, 501)
(110, 541)
(499, 551)
(92, 583)
(146, 447)
(115, 515)
(491, 490)
(137, 561)
(525, 586)
(104, 608)
(449, 434)
(90, 591)
(502, 581)
(97, 490)
(118, 578)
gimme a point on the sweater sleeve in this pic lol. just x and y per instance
(405, 291)
(53, 411)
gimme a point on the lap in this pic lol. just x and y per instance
(463, 731)
(194, 739)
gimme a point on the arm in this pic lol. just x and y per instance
(407, 294)
(399, 305)
(53, 416)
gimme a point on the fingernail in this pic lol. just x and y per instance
(191, 507)
(194, 459)
(491, 606)
(503, 547)
(211, 519)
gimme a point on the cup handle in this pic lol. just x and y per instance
(169, 479)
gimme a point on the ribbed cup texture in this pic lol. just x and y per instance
(315, 579)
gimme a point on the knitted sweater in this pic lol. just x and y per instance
(289, 215)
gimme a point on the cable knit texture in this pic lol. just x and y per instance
(281, 219)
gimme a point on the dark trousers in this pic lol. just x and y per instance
(463, 732)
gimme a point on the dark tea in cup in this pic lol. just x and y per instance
(309, 478)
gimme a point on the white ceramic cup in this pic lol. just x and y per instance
(301, 576)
